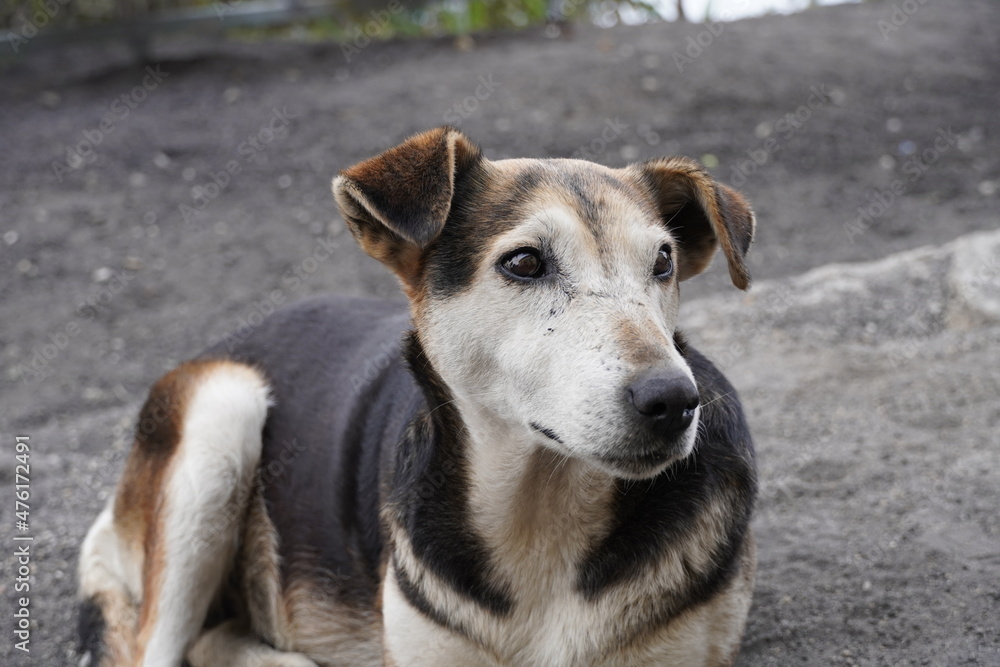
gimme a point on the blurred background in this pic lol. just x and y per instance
(165, 172)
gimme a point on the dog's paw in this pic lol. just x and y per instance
(287, 660)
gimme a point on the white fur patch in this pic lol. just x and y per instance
(203, 505)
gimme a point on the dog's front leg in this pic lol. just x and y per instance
(414, 640)
(232, 645)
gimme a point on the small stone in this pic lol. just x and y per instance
(50, 99)
(629, 152)
(102, 275)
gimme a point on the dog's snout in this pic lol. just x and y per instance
(665, 399)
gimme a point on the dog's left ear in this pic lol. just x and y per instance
(701, 214)
(396, 203)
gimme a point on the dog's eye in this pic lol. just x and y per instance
(523, 264)
(664, 266)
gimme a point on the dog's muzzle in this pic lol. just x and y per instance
(663, 404)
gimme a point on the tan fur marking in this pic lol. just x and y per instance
(642, 346)
(148, 466)
(323, 626)
(136, 502)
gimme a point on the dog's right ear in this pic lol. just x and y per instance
(396, 203)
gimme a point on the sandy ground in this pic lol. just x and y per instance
(872, 385)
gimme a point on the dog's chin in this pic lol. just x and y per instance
(644, 464)
(634, 461)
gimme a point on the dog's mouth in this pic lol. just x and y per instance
(641, 464)
(548, 433)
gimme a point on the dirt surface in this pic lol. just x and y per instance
(872, 390)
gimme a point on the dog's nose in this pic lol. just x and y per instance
(666, 399)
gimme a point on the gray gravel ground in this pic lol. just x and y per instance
(872, 388)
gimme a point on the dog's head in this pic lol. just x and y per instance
(545, 292)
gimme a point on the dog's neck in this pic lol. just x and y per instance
(531, 507)
(526, 500)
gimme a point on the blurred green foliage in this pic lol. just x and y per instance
(337, 22)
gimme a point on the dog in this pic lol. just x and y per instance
(528, 466)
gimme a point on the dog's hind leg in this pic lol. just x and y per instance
(232, 645)
(110, 580)
(171, 537)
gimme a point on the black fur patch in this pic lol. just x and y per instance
(652, 517)
(90, 630)
(479, 212)
(415, 596)
(429, 496)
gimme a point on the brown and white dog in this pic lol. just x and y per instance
(542, 471)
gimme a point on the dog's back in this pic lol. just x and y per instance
(342, 397)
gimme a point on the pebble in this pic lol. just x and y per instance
(629, 152)
(102, 275)
(50, 99)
